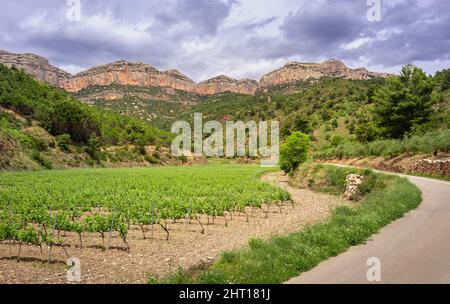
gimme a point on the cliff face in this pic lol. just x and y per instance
(36, 66)
(144, 75)
(139, 74)
(126, 73)
(295, 71)
(223, 83)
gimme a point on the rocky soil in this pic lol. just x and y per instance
(154, 256)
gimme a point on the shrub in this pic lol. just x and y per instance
(93, 147)
(294, 151)
(40, 144)
(37, 157)
(63, 142)
(429, 143)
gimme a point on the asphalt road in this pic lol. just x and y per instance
(413, 249)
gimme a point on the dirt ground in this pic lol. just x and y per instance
(155, 256)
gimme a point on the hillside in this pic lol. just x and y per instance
(329, 101)
(161, 97)
(323, 109)
(41, 126)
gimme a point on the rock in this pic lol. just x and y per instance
(221, 84)
(144, 75)
(433, 167)
(127, 73)
(36, 66)
(296, 71)
(353, 181)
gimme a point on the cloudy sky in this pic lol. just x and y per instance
(239, 38)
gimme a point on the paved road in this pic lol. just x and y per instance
(414, 249)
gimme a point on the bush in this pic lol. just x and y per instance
(429, 143)
(40, 144)
(93, 147)
(294, 151)
(37, 157)
(63, 142)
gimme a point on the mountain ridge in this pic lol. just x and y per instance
(145, 75)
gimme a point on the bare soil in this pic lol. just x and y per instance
(155, 256)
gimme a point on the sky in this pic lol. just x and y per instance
(238, 38)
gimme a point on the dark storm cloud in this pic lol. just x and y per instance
(109, 30)
(323, 27)
(409, 31)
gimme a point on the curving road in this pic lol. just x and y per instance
(413, 249)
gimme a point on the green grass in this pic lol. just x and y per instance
(387, 199)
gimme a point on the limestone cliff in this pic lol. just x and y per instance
(36, 66)
(296, 71)
(126, 73)
(223, 83)
(144, 75)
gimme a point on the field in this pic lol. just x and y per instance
(127, 225)
(36, 204)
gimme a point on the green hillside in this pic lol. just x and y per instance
(157, 105)
(322, 109)
(40, 125)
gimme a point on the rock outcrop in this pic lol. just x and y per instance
(223, 83)
(296, 71)
(36, 66)
(127, 73)
(439, 167)
(144, 75)
(353, 182)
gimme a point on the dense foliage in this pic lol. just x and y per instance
(430, 143)
(404, 103)
(59, 113)
(294, 151)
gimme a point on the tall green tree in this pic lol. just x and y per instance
(404, 102)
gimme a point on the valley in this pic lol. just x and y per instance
(135, 213)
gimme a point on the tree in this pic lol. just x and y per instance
(294, 151)
(93, 146)
(443, 79)
(366, 129)
(404, 102)
(298, 123)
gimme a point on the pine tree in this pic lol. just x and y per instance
(404, 102)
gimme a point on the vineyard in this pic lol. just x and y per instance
(41, 208)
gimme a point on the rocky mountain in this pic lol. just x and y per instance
(144, 75)
(296, 71)
(127, 73)
(36, 66)
(224, 83)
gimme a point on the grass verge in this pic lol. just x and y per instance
(385, 199)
